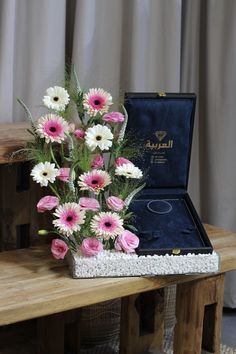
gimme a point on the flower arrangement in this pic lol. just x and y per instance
(81, 155)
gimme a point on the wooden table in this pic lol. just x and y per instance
(33, 284)
(13, 137)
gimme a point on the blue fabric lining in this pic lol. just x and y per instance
(162, 127)
(173, 229)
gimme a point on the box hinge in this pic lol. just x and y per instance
(161, 94)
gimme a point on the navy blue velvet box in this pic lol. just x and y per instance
(165, 217)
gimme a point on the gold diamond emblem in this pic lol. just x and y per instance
(160, 134)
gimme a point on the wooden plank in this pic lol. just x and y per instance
(15, 208)
(73, 327)
(18, 338)
(142, 322)
(33, 284)
(19, 195)
(50, 334)
(198, 313)
(13, 137)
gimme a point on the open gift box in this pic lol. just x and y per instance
(165, 217)
(172, 238)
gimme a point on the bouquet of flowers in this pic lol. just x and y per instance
(82, 156)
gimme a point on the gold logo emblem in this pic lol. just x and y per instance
(160, 134)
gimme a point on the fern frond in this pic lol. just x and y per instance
(123, 127)
(130, 197)
(29, 115)
(77, 84)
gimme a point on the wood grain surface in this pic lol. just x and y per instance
(13, 137)
(33, 284)
(198, 315)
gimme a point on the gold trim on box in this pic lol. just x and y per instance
(176, 251)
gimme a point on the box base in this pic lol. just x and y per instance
(118, 264)
(176, 227)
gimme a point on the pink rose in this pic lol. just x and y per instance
(59, 248)
(97, 162)
(115, 203)
(91, 247)
(121, 161)
(79, 134)
(89, 204)
(47, 203)
(114, 117)
(64, 174)
(126, 242)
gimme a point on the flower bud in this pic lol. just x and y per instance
(43, 232)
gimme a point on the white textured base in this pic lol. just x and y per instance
(118, 264)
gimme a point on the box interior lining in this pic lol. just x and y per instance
(170, 224)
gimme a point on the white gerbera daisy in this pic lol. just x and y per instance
(69, 218)
(97, 101)
(56, 98)
(52, 128)
(44, 173)
(98, 136)
(129, 171)
(107, 225)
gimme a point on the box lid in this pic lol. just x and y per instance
(162, 125)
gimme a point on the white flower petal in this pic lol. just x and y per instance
(98, 225)
(52, 127)
(43, 173)
(94, 181)
(56, 98)
(97, 101)
(98, 136)
(69, 218)
(129, 171)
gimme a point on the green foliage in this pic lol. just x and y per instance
(123, 186)
(81, 159)
(128, 147)
(38, 151)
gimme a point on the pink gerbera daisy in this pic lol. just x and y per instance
(97, 101)
(52, 128)
(107, 225)
(69, 218)
(94, 181)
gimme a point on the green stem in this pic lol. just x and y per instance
(53, 157)
(67, 240)
(82, 119)
(110, 160)
(62, 153)
(54, 191)
(99, 197)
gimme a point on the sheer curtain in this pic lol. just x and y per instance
(32, 52)
(136, 45)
